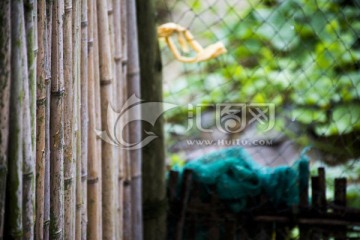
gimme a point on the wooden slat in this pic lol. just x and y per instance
(184, 197)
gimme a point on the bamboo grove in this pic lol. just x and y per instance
(62, 63)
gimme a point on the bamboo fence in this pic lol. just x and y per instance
(62, 63)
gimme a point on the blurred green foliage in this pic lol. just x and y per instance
(304, 54)
(300, 54)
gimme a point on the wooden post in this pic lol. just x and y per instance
(340, 200)
(323, 203)
(153, 163)
(315, 192)
(184, 198)
(322, 190)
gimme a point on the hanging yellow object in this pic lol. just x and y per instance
(186, 39)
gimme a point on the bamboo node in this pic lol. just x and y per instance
(41, 101)
(68, 9)
(133, 73)
(90, 42)
(84, 24)
(105, 82)
(93, 180)
(110, 11)
(54, 235)
(117, 58)
(84, 177)
(47, 80)
(58, 93)
(28, 176)
(68, 180)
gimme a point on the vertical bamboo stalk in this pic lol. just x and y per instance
(97, 110)
(78, 230)
(33, 77)
(97, 84)
(29, 163)
(69, 166)
(49, 23)
(119, 101)
(57, 125)
(76, 22)
(133, 79)
(94, 193)
(40, 120)
(4, 103)
(84, 115)
(15, 163)
(79, 197)
(32, 50)
(127, 217)
(106, 79)
(116, 105)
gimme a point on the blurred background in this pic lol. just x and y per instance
(302, 56)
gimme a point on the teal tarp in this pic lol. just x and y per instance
(236, 177)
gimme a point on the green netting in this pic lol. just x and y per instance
(236, 177)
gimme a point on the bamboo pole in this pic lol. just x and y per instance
(57, 126)
(97, 111)
(153, 164)
(106, 79)
(40, 120)
(94, 192)
(76, 110)
(78, 230)
(69, 165)
(32, 50)
(116, 105)
(84, 115)
(28, 156)
(119, 100)
(97, 84)
(126, 156)
(49, 23)
(15, 162)
(4, 103)
(133, 79)
(33, 77)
